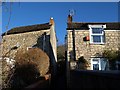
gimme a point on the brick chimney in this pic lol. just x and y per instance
(69, 19)
(52, 21)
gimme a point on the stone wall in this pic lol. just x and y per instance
(84, 48)
(24, 40)
(53, 42)
(43, 39)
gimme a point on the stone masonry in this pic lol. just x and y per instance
(42, 36)
(24, 40)
(84, 48)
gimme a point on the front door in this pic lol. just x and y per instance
(95, 64)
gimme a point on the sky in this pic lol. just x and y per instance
(30, 13)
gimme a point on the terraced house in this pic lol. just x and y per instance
(89, 41)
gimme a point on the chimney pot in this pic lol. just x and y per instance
(51, 18)
(52, 21)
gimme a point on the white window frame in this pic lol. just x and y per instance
(100, 60)
(91, 34)
(92, 62)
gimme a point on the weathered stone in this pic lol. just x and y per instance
(86, 49)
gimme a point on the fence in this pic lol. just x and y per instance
(94, 79)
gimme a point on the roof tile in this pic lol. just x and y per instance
(29, 28)
(81, 26)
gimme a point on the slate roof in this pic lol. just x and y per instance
(28, 28)
(81, 26)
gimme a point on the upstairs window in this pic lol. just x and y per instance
(97, 35)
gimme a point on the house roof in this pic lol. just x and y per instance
(28, 28)
(81, 26)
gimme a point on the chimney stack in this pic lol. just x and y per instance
(69, 19)
(52, 21)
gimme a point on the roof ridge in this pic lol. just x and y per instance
(95, 22)
(28, 28)
(82, 25)
(29, 25)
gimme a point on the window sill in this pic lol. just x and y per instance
(97, 43)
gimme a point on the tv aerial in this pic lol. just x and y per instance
(72, 12)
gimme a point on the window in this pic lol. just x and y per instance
(97, 34)
(99, 64)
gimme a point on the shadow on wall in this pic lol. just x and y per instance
(29, 68)
(43, 42)
(53, 66)
(71, 55)
(82, 63)
(98, 55)
(21, 77)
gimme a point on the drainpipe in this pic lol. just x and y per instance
(74, 52)
(70, 19)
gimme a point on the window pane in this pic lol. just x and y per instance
(104, 64)
(97, 30)
(97, 39)
(95, 66)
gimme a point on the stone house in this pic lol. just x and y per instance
(42, 36)
(90, 40)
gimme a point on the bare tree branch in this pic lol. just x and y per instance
(9, 18)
